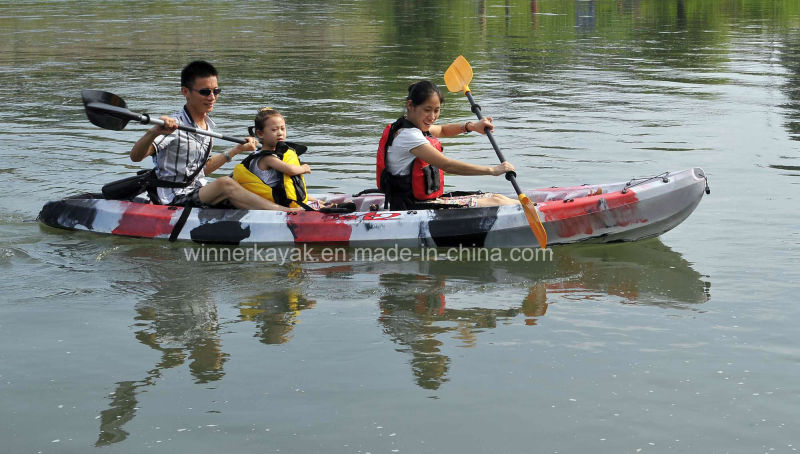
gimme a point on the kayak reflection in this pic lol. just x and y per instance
(425, 306)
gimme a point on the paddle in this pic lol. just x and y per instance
(457, 77)
(109, 111)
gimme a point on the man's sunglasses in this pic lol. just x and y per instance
(208, 91)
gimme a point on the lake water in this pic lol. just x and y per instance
(686, 343)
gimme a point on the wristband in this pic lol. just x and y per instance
(226, 156)
(466, 127)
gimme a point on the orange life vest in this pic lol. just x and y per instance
(423, 182)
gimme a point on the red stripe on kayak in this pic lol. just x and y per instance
(147, 221)
(313, 227)
(585, 214)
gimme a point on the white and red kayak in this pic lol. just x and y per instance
(627, 211)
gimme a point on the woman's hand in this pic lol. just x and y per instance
(502, 168)
(305, 168)
(481, 126)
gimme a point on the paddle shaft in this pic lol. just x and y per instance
(510, 176)
(145, 119)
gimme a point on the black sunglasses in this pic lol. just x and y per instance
(208, 91)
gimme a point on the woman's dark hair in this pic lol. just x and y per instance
(195, 69)
(419, 92)
(261, 117)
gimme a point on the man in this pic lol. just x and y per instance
(178, 155)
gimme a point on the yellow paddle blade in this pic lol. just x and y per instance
(458, 75)
(533, 219)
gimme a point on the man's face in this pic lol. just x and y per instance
(201, 95)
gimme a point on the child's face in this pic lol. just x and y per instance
(274, 131)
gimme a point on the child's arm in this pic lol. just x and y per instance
(272, 162)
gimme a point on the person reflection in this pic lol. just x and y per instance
(414, 315)
(275, 313)
(535, 304)
(180, 325)
(181, 330)
(122, 409)
(411, 320)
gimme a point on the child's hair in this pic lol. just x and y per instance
(261, 117)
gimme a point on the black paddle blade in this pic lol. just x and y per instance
(100, 117)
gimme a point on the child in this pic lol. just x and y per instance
(275, 172)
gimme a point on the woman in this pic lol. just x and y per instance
(411, 165)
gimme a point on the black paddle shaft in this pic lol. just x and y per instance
(510, 176)
(109, 111)
(121, 112)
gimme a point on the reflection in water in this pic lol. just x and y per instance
(681, 21)
(790, 59)
(275, 313)
(793, 171)
(180, 321)
(182, 329)
(415, 314)
(121, 410)
(585, 20)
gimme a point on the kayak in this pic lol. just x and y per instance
(599, 213)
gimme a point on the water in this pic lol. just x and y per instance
(679, 344)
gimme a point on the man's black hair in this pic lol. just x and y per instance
(195, 69)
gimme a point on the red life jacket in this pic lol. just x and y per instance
(424, 181)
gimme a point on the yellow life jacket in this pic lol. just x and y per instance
(290, 189)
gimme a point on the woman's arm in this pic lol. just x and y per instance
(454, 129)
(432, 156)
(272, 162)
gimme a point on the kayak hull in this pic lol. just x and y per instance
(627, 211)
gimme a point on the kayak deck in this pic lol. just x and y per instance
(626, 211)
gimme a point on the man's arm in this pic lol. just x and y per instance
(144, 146)
(218, 160)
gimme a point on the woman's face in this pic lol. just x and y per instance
(424, 115)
